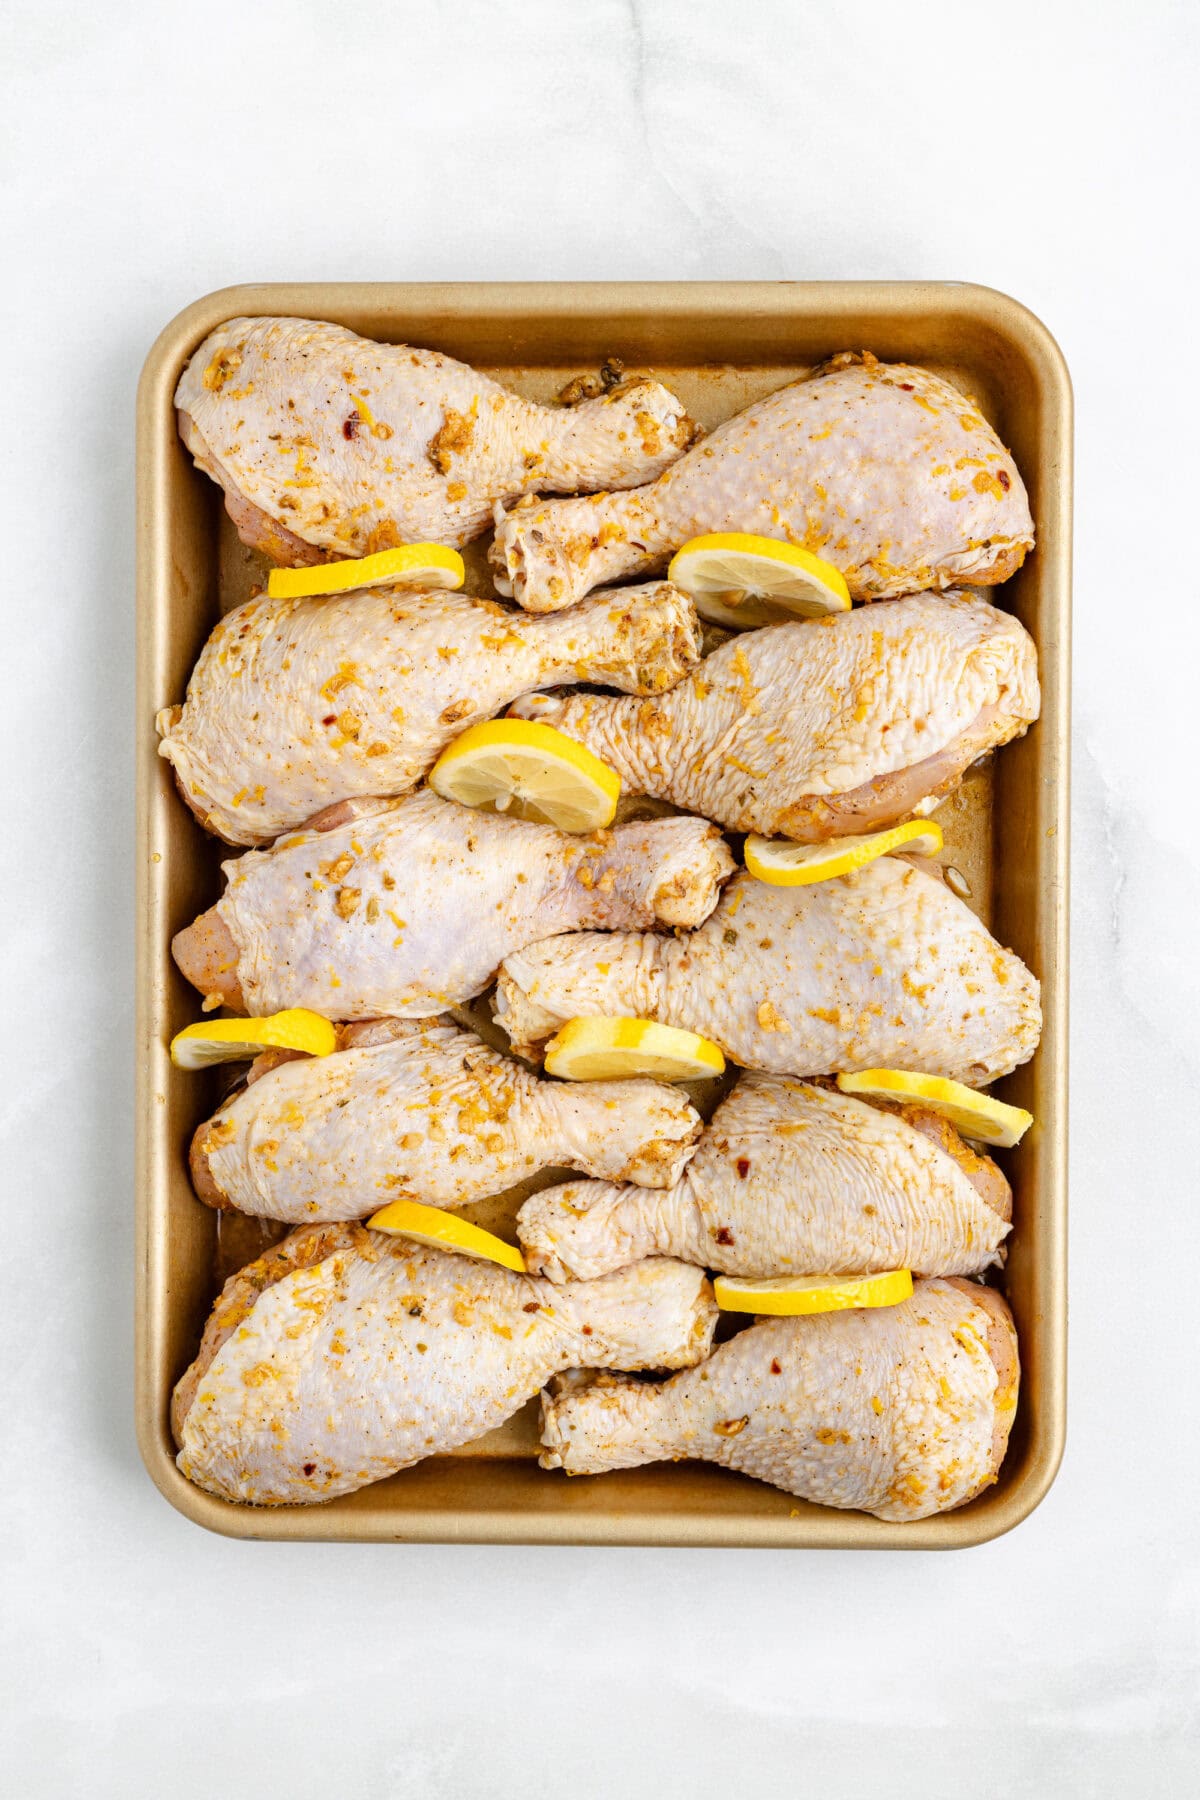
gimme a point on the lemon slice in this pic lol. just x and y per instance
(410, 565)
(530, 771)
(976, 1115)
(793, 1294)
(445, 1231)
(617, 1049)
(783, 864)
(235, 1040)
(735, 578)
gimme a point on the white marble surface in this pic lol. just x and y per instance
(159, 151)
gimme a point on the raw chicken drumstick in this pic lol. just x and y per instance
(789, 1179)
(297, 704)
(901, 1411)
(342, 1355)
(824, 728)
(886, 471)
(328, 444)
(884, 968)
(415, 1111)
(410, 909)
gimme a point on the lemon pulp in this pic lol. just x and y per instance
(975, 1115)
(407, 565)
(236, 1040)
(440, 1230)
(783, 864)
(794, 1295)
(606, 1049)
(737, 578)
(529, 771)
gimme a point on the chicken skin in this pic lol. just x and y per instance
(424, 1111)
(343, 1355)
(886, 471)
(407, 910)
(331, 445)
(901, 1411)
(789, 1179)
(297, 704)
(883, 968)
(823, 728)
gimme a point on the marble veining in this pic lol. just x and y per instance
(165, 153)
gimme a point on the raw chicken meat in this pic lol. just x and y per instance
(885, 471)
(297, 704)
(884, 968)
(328, 444)
(824, 728)
(410, 909)
(423, 1111)
(343, 1355)
(901, 1411)
(789, 1179)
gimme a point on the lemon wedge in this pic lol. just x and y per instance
(603, 1049)
(734, 578)
(530, 771)
(976, 1115)
(409, 565)
(236, 1040)
(783, 864)
(445, 1231)
(794, 1294)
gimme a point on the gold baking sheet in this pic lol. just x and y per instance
(719, 346)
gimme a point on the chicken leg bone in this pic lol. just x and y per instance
(424, 1111)
(886, 471)
(901, 1411)
(297, 704)
(411, 910)
(884, 968)
(826, 728)
(343, 1355)
(328, 444)
(789, 1179)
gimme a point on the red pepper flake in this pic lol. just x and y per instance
(587, 1330)
(532, 1306)
(743, 1166)
(310, 1468)
(775, 1366)
(907, 386)
(351, 425)
(329, 719)
(1004, 478)
(724, 1235)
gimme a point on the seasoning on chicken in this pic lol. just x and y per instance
(424, 1111)
(343, 1355)
(789, 1179)
(884, 968)
(825, 728)
(410, 909)
(297, 704)
(329, 444)
(901, 1411)
(886, 471)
